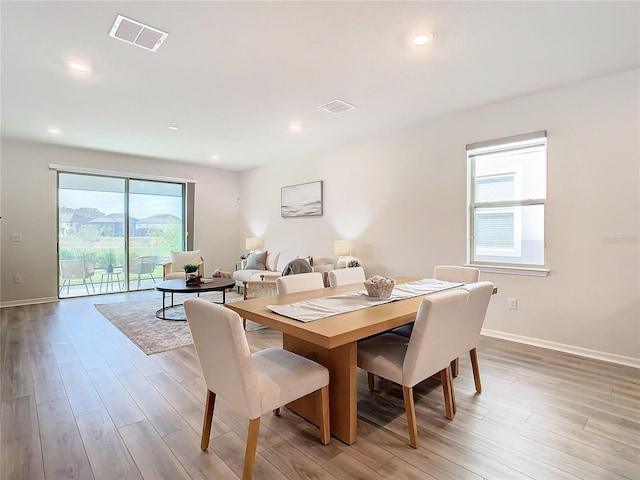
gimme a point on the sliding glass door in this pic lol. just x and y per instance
(157, 227)
(114, 234)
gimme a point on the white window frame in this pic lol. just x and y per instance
(519, 142)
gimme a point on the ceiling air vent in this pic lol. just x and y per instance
(337, 106)
(137, 33)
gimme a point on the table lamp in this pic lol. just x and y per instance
(252, 244)
(342, 249)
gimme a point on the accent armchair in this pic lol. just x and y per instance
(175, 268)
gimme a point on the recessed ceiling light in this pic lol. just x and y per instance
(422, 39)
(54, 131)
(173, 127)
(295, 127)
(77, 66)
(215, 157)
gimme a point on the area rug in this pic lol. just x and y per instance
(137, 320)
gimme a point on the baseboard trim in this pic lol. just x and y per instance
(28, 301)
(561, 347)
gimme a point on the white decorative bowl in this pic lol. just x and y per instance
(380, 289)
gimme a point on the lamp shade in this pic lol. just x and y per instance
(251, 243)
(341, 248)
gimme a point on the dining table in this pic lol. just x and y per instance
(332, 342)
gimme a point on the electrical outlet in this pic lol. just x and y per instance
(16, 237)
(512, 303)
(17, 279)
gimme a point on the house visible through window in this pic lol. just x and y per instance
(507, 186)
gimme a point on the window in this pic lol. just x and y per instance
(507, 192)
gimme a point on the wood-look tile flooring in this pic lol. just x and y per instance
(79, 400)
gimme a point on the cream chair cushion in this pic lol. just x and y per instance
(346, 276)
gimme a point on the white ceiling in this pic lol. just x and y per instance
(233, 75)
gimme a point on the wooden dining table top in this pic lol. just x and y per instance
(331, 332)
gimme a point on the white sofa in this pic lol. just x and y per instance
(274, 265)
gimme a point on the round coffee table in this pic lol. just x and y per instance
(215, 284)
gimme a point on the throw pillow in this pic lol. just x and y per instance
(180, 259)
(284, 259)
(272, 261)
(257, 261)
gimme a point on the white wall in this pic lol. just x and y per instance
(29, 207)
(402, 198)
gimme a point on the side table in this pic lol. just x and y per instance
(111, 278)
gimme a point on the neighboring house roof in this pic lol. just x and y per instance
(72, 218)
(161, 218)
(112, 218)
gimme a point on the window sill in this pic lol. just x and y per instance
(503, 269)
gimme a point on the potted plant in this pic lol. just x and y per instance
(191, 274)
(353, 263)
(109, 258)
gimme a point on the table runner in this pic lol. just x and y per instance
(310, 310)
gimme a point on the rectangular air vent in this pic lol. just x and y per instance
(137, 34)
(337, 106)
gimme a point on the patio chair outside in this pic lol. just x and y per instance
(144, 265)
(76, 270)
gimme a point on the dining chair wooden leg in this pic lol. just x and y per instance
(455, 367)
(387, 385)
(250, 452)
(447, 386)
(371, 380)
(322, 413)
(410, 409)
(476, 371)
(208, 417)
(453, 393)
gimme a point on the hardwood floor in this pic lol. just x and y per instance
(79, 400)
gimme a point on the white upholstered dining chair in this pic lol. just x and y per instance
(446, 273)
(346, 276)
(299, 283)
(469, 331)
(432, 345)
(455, 273)
(251, 384)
